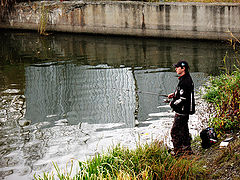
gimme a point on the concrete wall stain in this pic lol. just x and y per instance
(81, 19)
(222, 20)
(135, 15)
(160, 15)
(172, 20)
(103, 14)
(143, 20)
(167, 17)
(194, 18)
(125, 11)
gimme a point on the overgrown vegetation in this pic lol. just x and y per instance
(205, 1)
(145, 162)
(223, 93)
(7, 3)
(7, 6)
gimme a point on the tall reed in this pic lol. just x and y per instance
(43, 20)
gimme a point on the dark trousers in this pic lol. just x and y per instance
(180, 134)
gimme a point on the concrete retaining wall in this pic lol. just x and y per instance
(173, 20)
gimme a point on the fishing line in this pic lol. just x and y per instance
(143, 92)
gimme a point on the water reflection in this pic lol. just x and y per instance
(69, 96)
(79, 94)
(203, 56)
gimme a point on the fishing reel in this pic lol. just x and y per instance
(166, 101)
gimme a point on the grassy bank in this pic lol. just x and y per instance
(149, 161)
(152, 161)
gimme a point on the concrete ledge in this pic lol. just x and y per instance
(172, 20)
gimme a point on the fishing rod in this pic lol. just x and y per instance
(152, 93)
(143, 92)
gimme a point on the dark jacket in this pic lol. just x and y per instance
(183, 101)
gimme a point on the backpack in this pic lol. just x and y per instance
(209, 137)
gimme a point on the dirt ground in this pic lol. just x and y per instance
(220, 163)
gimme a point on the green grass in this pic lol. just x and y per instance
(150, 161)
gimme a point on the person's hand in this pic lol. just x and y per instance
(170, 96)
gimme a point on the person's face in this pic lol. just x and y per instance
(180, 70)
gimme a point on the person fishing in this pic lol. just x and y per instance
(183, 104)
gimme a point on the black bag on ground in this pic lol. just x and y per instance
(209, 137)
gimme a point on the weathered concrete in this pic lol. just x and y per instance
(173, 20)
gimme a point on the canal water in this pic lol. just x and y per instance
(68, 97)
